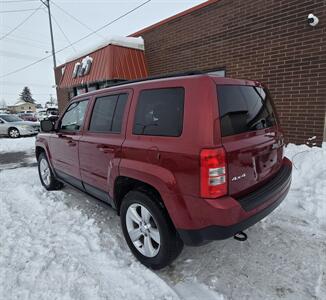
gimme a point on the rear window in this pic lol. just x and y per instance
(160, 112)
(244, 108)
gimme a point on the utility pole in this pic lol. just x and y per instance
(47, 4)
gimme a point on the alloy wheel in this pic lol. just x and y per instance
(14, 133)
(45, 172)
(143, 230)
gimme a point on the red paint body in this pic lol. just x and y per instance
(171, 165)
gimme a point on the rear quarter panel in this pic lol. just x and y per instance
(171, 164)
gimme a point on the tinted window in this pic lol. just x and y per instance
(74, 116)
(108, 113)
(244, 108)
(119, 112)
(160, 112)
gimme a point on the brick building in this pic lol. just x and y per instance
(266, 40)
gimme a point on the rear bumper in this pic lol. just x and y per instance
(249, 210)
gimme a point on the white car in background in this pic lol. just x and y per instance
(14, 127)
(51, 113)
(41, 115)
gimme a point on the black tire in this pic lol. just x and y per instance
(13, 133)
(170, 243)
(53, 183)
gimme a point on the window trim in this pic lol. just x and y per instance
(124, 113)
(82, 126)
(153, 89)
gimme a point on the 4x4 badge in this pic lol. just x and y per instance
(235, 178)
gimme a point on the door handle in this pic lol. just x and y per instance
(71, 143)
(105, 149)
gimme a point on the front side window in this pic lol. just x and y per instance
(160, 112)
(74, 116)
(108, 113)
(244, 108)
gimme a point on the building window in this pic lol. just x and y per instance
(81, 90)
(92, 88)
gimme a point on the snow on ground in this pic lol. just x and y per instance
(307, 199)
(67, 245)
(51, 251)
(26, 144)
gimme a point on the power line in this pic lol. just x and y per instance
(17, 55)
(18, 1)
(73, 43)
(26, 67)
(76, 19)
(46, 3)
(17, 10)
(25, 39)
(20, 24)
(27, 33)
(63, 33)
(104, 26)
(13, 40)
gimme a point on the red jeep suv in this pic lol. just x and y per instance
(183, 159)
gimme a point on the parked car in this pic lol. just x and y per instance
(183, 160)
(41, 114)
(15, 127)
(27, 117)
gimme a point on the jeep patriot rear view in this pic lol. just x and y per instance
(183, 159)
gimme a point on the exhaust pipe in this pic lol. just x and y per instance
(240, 236)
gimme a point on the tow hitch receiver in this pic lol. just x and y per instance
(240, 236)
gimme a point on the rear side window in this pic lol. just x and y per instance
(244, 108)
(108, 113)
(160, 112)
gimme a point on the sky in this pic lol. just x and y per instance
(31, 41)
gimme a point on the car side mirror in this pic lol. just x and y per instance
(47, 126)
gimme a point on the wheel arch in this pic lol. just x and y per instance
(38, 151)
(124, 184)
(43, 148)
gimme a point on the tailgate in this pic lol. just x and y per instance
(251, 161)
(250, 136)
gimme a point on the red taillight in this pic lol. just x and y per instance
(213, 181)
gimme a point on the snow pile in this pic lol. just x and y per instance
(128, 42)
(25, 144)
(307, 197)
(51, 251)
